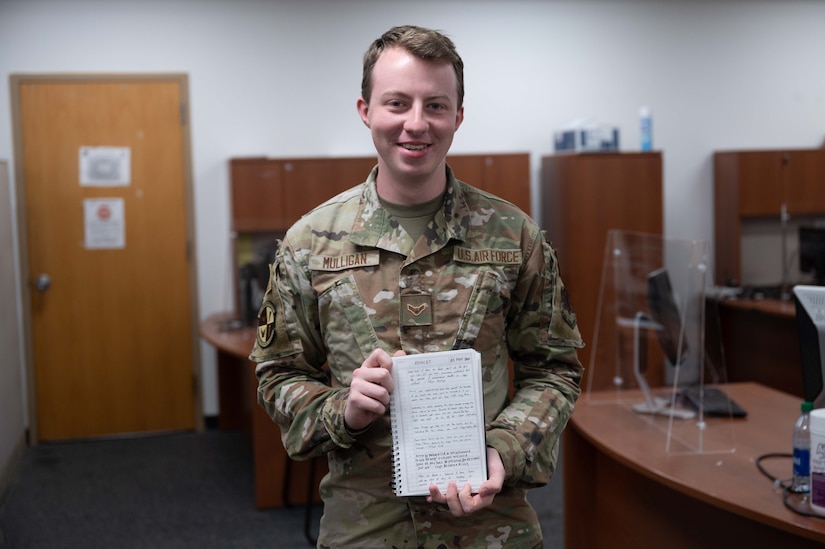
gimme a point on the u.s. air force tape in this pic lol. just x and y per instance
(487, 255)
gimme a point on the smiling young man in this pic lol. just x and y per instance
(412, 108)
(414, 261)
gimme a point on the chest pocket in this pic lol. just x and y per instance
(482, 326)
(348, 332)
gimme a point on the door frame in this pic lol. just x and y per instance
(15, 81)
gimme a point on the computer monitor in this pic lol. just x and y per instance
(812, 253)
(810, 324)
(665, 312)
(666, 321)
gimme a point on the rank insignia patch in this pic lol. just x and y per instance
(266, 324)
(416, 310)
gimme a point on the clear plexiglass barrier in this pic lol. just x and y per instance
(648, 354)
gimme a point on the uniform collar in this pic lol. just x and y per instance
(374, 227)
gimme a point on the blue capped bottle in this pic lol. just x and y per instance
(645, 129)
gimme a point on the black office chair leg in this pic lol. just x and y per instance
(287, 483)
(308, 508)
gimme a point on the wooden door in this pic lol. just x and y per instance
(110, 313)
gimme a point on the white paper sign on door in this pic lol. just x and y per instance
(105, 224)
(105, 166)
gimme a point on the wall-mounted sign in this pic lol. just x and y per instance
(104, 223)
(105, 166)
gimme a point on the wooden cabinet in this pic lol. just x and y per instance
(753, 185)
(270, 194)
(504, 175)
(583, 197)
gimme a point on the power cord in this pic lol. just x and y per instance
(785, 485)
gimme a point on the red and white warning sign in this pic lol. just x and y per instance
(104, 223)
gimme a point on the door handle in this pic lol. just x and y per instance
(43, 282)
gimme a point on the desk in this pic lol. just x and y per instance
(279, 481)
(760, 342)
(622, 490)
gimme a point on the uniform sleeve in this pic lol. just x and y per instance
(293, 386)
(542, 337)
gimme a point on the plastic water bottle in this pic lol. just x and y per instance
(802, 450)
(646, 129)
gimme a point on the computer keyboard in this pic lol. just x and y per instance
(714, 402)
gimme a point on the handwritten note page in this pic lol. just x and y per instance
(437, 411)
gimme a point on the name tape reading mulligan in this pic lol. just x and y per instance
(341, 262)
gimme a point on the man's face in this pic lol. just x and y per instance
(412, 115)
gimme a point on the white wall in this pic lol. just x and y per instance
(281, 78)
(12, 427)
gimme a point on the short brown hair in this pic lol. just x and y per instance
(428, 44)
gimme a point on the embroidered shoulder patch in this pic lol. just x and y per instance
(266, 324)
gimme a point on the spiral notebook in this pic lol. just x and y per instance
(437, 417)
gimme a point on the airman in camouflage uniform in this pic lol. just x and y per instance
(348, 279)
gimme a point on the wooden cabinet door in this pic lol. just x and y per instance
(310, 181)
(504, 175)
(307, 183)
(508, 176)
(350, 172)
(769, 179)
(257, 195)
(468, 168)
(805, 190)
(270, 194)
(760, 183)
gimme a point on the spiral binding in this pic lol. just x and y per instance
(396, 481)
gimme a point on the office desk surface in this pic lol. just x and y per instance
(611, 450)
(217, 329)
(768, 306)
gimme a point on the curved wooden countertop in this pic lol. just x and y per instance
(728, 480)
(220, 330)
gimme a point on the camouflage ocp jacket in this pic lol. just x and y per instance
(348, 279)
